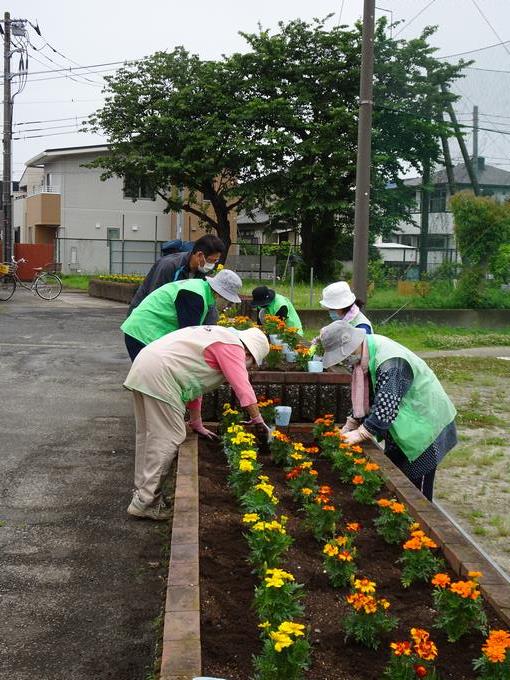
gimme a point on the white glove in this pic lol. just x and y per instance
(198, 427)
(259, 424)
(350, 424)
(357, 436)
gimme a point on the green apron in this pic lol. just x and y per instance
(156, 315)
(425, 410)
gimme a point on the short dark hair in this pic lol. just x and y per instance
(208, 245)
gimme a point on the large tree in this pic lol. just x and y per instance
(276, 127)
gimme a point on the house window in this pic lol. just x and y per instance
(408, 240)
(438, 200)
(436, 242)
(137, 188)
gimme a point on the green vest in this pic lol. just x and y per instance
(156, 315)
(361, 318)
(292, 320)
(425, 410)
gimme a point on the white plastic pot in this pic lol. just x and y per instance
(315, 367)
(290, 356)
(283, 413)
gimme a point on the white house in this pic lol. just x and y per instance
(96, 226)
(441, 239)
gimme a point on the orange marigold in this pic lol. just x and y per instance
(344, 556)
(371, 467)
(401, 648)
(384, 503)
(441, 580)
(353, 526)
(398, 508)
(358, 479)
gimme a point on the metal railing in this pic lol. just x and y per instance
(44, 189)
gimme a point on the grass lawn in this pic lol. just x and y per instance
(76, 281)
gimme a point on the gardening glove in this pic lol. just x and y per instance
(259, 424)
(198, 427)
(357, 436)
(350, 425)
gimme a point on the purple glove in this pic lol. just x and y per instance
(198, 427)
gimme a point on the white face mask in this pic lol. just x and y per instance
(206, 267)
(221, 304)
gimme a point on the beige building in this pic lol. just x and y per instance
(96, 226)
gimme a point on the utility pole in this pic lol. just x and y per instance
(425, 212)
(7, 143)
(475, 141)
(363, 165)
(462, 144)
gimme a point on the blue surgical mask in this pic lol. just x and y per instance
(334, 315)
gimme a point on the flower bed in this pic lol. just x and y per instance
(227, 587)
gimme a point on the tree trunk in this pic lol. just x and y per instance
(222, 224)
(318, 246)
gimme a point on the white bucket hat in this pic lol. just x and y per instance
(227, 284)
(337, 295)
(339, 339)
(255, 342)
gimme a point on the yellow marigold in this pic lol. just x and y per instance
(330, 550)
(280, 640)
(370, 605)
(296, 456)
(341, 540)
(248, 454)
(306, 491)
(245, 466)
(298, 446)
(264, 624)
(250, 517)
(419, 634)
(306, 465)
(364, 585)
(266, 488)
(291, 628)
(385, 604)
(414, 526)
(263, 478)
(276, 578)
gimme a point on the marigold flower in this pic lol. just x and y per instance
(245, 466)
(358, 479)
(371, 467)
(281, 640)
(426, 650)
(385, 604)
(420, 671)
(312, 449)
(401, 648)
(353, 526)
(357, 449)
(250, 517)
(341, 540)
(325, 490)
(419, 634)
(398, 508)
(296, 456)
(344, 556)
(314, 473)
(249, 454)
(496, 645)
(464, 588)
(330, 550)
(306, 491)
(291, 628)
(384, 503)
(364, 585)
(359, 461)
(264, 624)
(441, 580)
(474, 574)
(328, 508)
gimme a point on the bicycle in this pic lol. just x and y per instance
(45, 282)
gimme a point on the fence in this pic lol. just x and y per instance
(112, 256)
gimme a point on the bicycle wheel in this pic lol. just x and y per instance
(48, 286)
(7, 287)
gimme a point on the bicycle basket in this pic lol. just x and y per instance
(6, 268)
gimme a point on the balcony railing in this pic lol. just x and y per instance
(44, 189)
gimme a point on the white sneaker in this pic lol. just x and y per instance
(157, 512)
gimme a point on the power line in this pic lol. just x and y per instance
(484, 17)
(108, 70)
(51, 134)
(479, 49)
(51, 120)
(77, 68)
(408, 23)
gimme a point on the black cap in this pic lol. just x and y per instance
(262, 296)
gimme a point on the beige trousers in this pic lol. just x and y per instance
(160, 430)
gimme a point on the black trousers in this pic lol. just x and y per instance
(426, 484)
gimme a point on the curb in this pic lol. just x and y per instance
(181, 654)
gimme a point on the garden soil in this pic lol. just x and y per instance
(230, 636)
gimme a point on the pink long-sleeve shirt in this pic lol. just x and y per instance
(229, 360)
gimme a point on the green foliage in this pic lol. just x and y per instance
(457, 615)
(285, 654)
(393, 522)
(500, 264)
(482, 226)
(268, 542)
(339, 556)
(321, 519)
(279, 597)
(418, 565)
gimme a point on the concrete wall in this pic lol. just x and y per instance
(476, 318)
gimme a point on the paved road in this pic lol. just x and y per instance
(80, 582)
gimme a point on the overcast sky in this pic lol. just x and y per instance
(98, 32)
